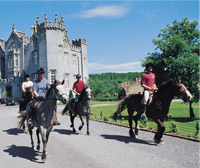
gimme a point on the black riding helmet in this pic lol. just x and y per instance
(40, 70)
(148, 65)
(78, 76)
(27, 76)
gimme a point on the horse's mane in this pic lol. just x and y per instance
(165, 86)
(48, 91)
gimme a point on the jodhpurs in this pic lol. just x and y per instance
(146, 97)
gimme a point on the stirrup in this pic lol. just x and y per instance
(143, 116)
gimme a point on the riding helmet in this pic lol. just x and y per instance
(78, 76)
(148, 65)
(40, 70)
(27, 76)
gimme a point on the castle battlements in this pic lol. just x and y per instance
(49, 25)
(75, 48)
(79, 41)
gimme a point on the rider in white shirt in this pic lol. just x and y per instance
(27, 84)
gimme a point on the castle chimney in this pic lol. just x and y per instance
(2, 43)
(37, 22)
(32, 29)
(13, 27)
(56, 18)
(61, 19)
(45, 17)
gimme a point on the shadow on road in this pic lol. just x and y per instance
(127, 139)
(13, 131)
(65, 132)
(23, 152)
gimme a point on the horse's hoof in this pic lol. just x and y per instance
(44, 156)
(38, 147)
(88, 133)
(32, 146)
(80, 128)
(74, 130)
(159, 141)
(136, 132)
(132, 135)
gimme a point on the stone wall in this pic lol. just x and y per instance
(132, 87)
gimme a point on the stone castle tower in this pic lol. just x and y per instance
(48, 47)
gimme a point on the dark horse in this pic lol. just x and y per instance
(158, 108)
(25, 99)
(44, 115)
(81, 108)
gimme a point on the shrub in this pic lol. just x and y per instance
(105, 98)
(144, 122)
(173, 127)
(196, 135)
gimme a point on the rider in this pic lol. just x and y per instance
(26, 87)
(149, 85)
(78, 87)
(27, 84)
(40, 88)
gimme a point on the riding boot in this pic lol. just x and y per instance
(143, 115)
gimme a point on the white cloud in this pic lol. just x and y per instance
(109, 11)
(126, 67)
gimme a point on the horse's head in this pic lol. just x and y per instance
(86, 93)
(57, 91)
(182, 91)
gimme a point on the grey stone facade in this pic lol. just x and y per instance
(48, 47)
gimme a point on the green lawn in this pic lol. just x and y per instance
(178, 110)
(92, 102)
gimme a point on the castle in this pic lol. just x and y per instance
(48, 47)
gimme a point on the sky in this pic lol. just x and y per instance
(119, 33)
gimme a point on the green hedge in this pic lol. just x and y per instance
(112, 98)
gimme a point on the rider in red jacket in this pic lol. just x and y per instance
(149, 85)
(78, 87)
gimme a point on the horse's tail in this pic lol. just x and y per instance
(22, 118)
(121, 107)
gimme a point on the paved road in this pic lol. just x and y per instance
(108, 146)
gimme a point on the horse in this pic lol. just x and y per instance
(82, 107)
(25, 99)
(44, 115)
(158, 108)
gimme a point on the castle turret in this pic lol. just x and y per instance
(82, 43)
(2, 43)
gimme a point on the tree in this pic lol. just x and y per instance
(177, 56)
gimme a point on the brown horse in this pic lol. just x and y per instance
(158, 108)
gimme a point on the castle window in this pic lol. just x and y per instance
(16, 60)
(34, 43)
(13, 45)
(35, 57)
(34, 76)
(67, 80)
(66, 56)
(74, 60)
(53, 75)
(10, 61)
